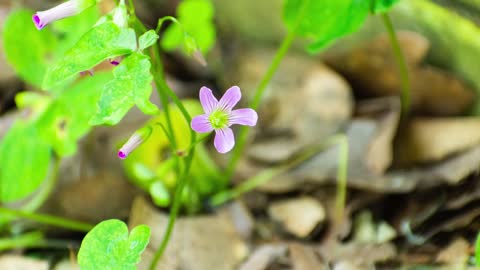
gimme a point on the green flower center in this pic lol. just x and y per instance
(218, 119)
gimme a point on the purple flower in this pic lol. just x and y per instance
(64, 10)
(219, 116)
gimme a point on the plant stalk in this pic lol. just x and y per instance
(259, 93)
(48, 219)
(402, 65)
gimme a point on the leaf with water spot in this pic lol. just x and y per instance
(131, 85)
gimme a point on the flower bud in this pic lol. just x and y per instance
(64, 10)
(135, 141)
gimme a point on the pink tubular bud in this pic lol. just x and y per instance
(134, 141)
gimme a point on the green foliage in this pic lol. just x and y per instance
(381, 6)
(108, 246)
(151, 162)
(147, 39)
(132, 84)
(53, 123)
(196, 19)
(30, 51)
(325, 21)
(63, 123)
(25, 159)
(104, 41)
(27, 52)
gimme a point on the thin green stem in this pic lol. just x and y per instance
(34, 239)
(342, 171)
(266, 175)
(48, 219)
(259, 92)
(173, 212)
(164, 19)
(163, 89)
(31, 239)
(402, 65)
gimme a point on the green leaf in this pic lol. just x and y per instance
(324, 21)
(26, 48)
(109, 246)
(381, 6)
(71, 29)
(147, 39)
(160, 194)
(65, 120)
(104, 41)
(25, 161)
(196, 18)
(132, 84)
(31, 51)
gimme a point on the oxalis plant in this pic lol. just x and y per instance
(71, 39)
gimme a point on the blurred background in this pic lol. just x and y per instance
(413, 197)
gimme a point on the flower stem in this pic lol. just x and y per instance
(259, 92)
(163, 90)
(34, 239)
(402, 65)
(48, 219)
(173, 211)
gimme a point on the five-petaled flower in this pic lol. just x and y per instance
(219, 116)
(64, 10)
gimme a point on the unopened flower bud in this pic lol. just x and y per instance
(64, 10)
(135, 141)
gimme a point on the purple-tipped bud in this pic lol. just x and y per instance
(67, 9)
(64, 10)
(134, 141)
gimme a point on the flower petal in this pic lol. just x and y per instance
(209, 102)
(224, 140)
(201, 124)
(231, 97)
(246, 117)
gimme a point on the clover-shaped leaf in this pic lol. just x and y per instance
(132, 84)
(104, 41)
(109, 247)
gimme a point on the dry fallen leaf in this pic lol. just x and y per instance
(433, 139)
(433, 91)
(17, 262)
(263, 256)
(303, 257)
(299, 216)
